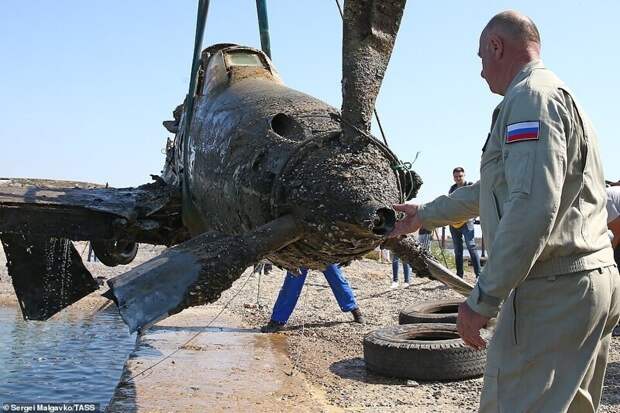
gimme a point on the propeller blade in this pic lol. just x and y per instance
(410, 251)
(195, 272)
(369, 33)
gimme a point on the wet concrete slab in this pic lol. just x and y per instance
(225, 368)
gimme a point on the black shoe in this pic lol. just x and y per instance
(357, 316)
(272, 327)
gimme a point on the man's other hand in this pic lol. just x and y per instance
(410, 223)
(468, 324)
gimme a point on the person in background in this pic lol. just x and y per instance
(406, 271)
(425, 237)
(291, 289)
(613, 219)
(463, 230)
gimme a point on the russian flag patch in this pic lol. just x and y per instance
(522, 131)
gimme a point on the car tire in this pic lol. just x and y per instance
(439, 311)
(424, 352)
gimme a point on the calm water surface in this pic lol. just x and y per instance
(74, 357)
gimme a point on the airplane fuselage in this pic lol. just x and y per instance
(259, 149)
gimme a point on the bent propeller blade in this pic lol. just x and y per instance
(195, 272)
(410, 251)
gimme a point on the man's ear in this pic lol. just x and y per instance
(496, 44)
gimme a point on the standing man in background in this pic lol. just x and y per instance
(541, 201)
(291, 289)
(463, 230)
(406, 272)
(613, 218)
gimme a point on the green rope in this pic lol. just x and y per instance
(403, 166)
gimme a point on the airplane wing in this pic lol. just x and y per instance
(150, 213)
(38, 218)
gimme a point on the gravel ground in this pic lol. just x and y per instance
(326, 346)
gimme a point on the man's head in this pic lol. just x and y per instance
(458, 174)
(508, 42)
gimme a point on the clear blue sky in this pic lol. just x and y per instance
(85, 85)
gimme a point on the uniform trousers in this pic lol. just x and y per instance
(549, 351)
(293, 284)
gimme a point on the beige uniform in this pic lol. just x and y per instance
(541, 202)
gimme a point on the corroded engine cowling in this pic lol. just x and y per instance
(258, 150)
(343, 194)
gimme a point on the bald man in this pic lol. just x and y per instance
(541, 202)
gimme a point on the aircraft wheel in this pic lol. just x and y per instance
(115, 252)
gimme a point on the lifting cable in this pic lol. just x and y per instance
(263, 26)
(201, 21)
(186, 342)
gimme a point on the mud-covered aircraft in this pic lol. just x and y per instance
(255, 170)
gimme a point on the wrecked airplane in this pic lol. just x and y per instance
(255, 170)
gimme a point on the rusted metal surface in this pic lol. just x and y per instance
(80, 211)
(450, 279)
(258, 170)
(368, 36)
(342, 193)
(49, 193)
(422, 262)
(259, 149)
(256, 151)
(39, 217)
(195, 272)
(47, 274)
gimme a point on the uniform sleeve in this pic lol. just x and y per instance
(459, 206)
(534, 170)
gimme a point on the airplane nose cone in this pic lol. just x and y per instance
(342, 193)
(383, 224)
(373, 219)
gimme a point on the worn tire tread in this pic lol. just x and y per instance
(441, 360)
(427, 312)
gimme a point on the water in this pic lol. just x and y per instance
(75, 357)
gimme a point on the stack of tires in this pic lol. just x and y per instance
(425, 346)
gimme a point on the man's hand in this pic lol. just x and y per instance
(468, 324)
(410, 223)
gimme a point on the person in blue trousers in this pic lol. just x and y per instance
(406, 272)
(463, 231)
(291, 289)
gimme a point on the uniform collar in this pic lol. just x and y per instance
(498, 108)
(524, 73)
